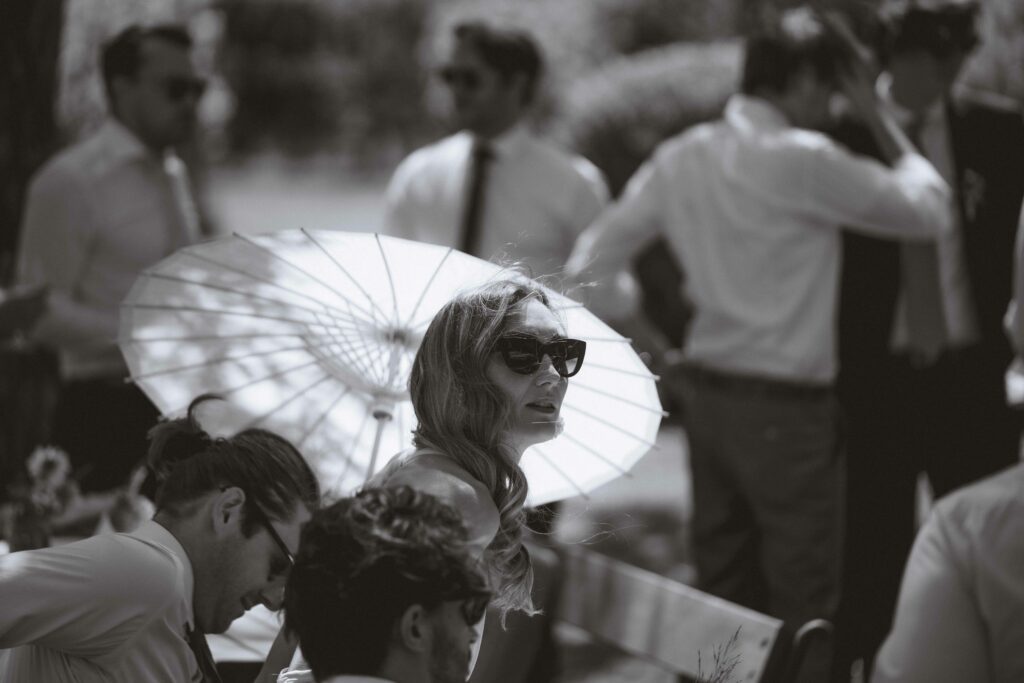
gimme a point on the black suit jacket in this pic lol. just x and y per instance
(987, 141)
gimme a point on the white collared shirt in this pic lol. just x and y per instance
(111, 608)
(96, 215)
(752, 208)
(960, 614)
(355, 679)
(537, 198)
(954, 282)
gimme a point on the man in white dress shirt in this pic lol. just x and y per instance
(752, 205)
(494, 189)
(384, 589)
(960, 615)
(128, 608)
(96, 215)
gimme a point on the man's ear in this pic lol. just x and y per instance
(227, 509)
(415, 629)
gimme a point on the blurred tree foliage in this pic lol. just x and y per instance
(618, 113)
(310, 76)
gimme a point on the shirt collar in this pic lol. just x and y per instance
(506, 144)
(749, 113)
(356, 679)
(122, 144)
(153, 532)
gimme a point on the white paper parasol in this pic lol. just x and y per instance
(312, 334)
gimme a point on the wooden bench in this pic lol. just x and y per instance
(679, 628)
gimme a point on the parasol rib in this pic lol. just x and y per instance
(391, 280)
(210, 362)
(349, 462)
(345, 391)
(551, 463)
(622, 371)
(307, 274)
(615, 466)
(430, 283)
(200, 309)
(344, 271)
(208, 337)
(602, 392)
(322, 309)
(232, 390)
(272, 283)
(611, 425)
(290, 399)
(360, 351)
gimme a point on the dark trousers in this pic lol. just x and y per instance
(948, 420)
(102, 424)
(768, 481)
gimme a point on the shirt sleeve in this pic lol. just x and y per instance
(69, 600)
(623, 229)
(56, 240)
(908, 201)
(938, 634)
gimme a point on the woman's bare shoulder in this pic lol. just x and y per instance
(441, 477)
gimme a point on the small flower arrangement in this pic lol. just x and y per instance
(47, 493)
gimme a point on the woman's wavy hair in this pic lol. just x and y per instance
(462, 414)
(185, 463)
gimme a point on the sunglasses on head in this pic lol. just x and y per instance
(453, 76)
(178, 89)
(523, 354)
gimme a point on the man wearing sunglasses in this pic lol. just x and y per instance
(138, 606)
(385, 590)
(96, 215)
(922, 347)
(494, 189)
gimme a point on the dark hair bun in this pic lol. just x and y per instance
(174, 441)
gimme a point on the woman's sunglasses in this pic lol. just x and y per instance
(523, 354)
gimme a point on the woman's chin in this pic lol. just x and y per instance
(539, 433)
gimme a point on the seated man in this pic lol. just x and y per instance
(384, 589)
(127, 608)
(960, 615)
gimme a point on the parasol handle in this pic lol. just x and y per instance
(383, 414)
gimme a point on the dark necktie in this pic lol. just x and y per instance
(197, 643)
(476, 183)
(922, 287)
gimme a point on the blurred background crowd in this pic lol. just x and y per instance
(311, 104)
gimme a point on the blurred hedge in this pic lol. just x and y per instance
(619, 113)
(323, 77)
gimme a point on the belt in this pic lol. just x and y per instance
(752, 385)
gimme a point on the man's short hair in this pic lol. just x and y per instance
(186, 463)
(797, 39)
(362, 562)
(940, 27)
(507, 50)
(121, 56)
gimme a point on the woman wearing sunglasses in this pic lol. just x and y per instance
(487, 383)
